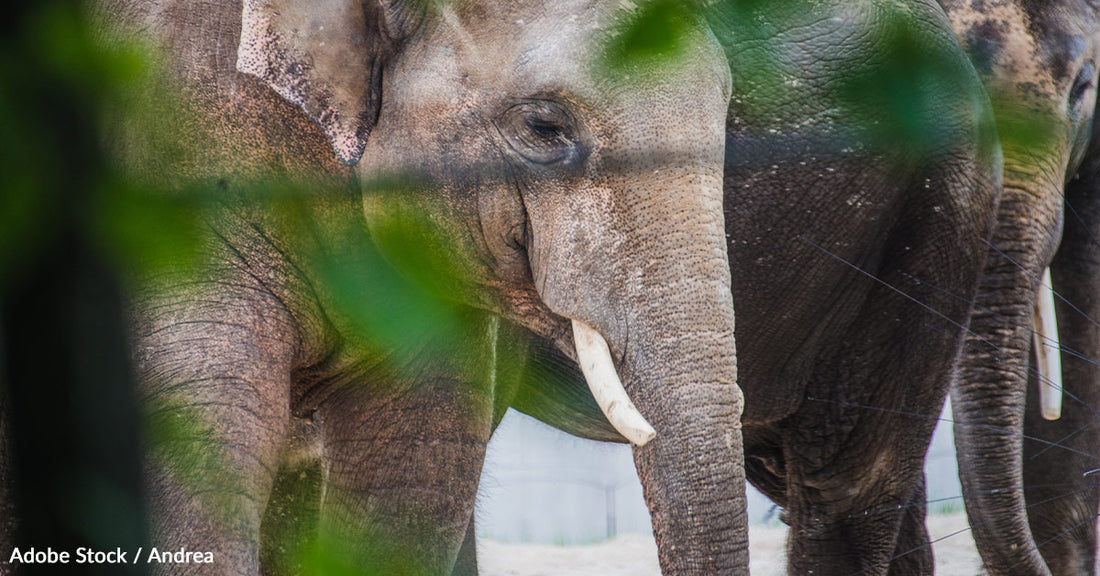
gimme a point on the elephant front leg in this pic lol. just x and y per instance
(215, 378)
(913, 554)
(404, 464)
(207, 488)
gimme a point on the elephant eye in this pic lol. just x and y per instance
(1082, 83)
(542, 132)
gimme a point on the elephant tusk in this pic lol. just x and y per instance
(1048, 351)
(599, 371)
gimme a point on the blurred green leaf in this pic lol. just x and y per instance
(153, 232)
(182, 444)
(652, 33)
(395, 303)
(1030, 132)
(337, 554)
(899, 102)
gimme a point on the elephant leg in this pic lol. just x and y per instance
(292, 518)
(1061, 500)
(855, 450)
(869, 530)
(467, 557)
(825, 541)
(215, 375)
(913, 554)
(404, 464)
(208, 489)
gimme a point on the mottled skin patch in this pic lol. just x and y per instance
(1038, 62)
(999, 33)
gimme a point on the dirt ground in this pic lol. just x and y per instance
(636, 555)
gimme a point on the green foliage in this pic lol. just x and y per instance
(187, 448)
(156, 234)
(335, 553)
(653, 33)
(119, 89)
(900, 102)
(1030, 132)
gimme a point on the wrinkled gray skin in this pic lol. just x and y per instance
(1038, 61)
(858, 242)
(844, 376)
(609, 212)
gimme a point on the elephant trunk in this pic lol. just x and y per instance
(693, 471)
(989, 397)
(664, 307)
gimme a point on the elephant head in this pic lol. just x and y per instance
(583, 202)
(1039, 65)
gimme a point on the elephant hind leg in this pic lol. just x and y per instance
(882, 537)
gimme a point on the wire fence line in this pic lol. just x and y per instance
(543, 486)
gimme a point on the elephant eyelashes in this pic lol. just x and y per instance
(1082, 83)
(542, 132)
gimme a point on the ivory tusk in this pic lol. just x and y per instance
(599, 371)
(1048, 351)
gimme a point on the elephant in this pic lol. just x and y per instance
(861, 184)
(1031, 508)
(577, 201)
(858, 232)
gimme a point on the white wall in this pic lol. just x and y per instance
(542, 485)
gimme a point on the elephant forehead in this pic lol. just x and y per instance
(556, 45)
(1002, 43)
(526, 42)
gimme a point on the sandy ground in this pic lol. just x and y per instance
(636, 555)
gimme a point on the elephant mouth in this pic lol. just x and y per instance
(594, 358)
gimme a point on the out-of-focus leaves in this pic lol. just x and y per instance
(899, 103)
(1030, 132)
(844, 77)
(334, 553)
(117, 81)
(394, 284)
(189, 449)
(652, 34)
(157, 234)
(751, 32)
(73, 420)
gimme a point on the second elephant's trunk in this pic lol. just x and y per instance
(989, 398)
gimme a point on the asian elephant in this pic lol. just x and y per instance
(1038, 62)
(858, 215)
(580, 202)
(861, 184)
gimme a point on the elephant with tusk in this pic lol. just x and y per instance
(1032, 509)
(577, 198)
(861, 182)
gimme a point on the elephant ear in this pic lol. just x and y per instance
(323, 55)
